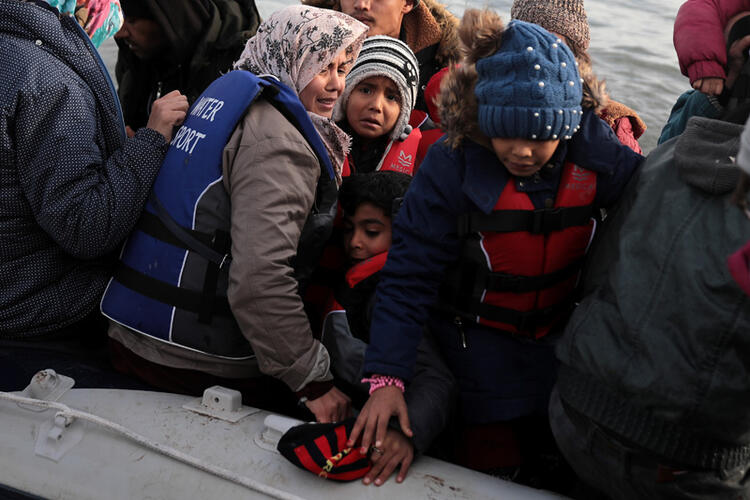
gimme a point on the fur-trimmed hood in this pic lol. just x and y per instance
(480, 35)
(429, 23)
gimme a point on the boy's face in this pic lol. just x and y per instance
(382, 16)
(367, 232)
(523, 157)
(143, 36)
(373, 107)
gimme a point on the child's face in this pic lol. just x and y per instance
(373, 107)
(366, 233)
(523, 157)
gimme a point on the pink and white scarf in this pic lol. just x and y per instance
(296, 43)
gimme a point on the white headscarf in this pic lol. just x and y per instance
(296, 43)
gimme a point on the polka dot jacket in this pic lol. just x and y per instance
(71, 185)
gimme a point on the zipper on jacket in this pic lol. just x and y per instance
(462, 334)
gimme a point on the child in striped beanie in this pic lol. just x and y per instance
(381, 91)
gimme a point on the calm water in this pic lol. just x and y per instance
(631, 45)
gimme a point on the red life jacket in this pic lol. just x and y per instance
(400, 156)
(518, 271)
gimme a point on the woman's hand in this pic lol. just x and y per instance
(168, 112)
(373, 419)
(333, 406)
(396, 449)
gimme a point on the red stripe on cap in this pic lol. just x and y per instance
(341, 436)
(306, 460)
(325, 448)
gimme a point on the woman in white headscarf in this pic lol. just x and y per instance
(271, 174)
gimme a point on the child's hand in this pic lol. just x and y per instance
(710, 86)
(396, 449)
(373, 419)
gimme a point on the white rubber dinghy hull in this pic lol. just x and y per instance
(124, 453)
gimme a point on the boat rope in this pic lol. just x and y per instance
(67, 412)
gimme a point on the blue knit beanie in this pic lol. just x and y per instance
(530, 88)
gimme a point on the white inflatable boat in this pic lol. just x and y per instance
(65, 443)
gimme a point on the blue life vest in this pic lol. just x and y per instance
(171, 281)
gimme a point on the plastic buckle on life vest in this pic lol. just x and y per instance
(546, 220)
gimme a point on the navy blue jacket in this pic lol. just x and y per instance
(500, 377)
(71, 185)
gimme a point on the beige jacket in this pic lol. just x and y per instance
(271, 174)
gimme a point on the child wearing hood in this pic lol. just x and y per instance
(489, 241)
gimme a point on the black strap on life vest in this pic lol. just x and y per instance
(502, 282)
(524, 321)
(539, 221)
(180, 298)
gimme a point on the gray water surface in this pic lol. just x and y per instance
(631, 46)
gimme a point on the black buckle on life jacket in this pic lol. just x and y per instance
(545, 220)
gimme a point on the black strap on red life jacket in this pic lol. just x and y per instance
(540, 221)
(467, 281)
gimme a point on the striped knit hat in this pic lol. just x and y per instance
(566, 17)
(389, 57)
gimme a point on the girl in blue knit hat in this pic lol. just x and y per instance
(488, 244)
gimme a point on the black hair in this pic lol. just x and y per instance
(384, 189)
(740, 29)
(138, 9)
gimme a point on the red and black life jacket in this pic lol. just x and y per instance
(400, 156)
(520, 265)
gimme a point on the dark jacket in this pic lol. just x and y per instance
(500, 377)
(71, 185)
(657, 352)
(204, 38)
(346, 330)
